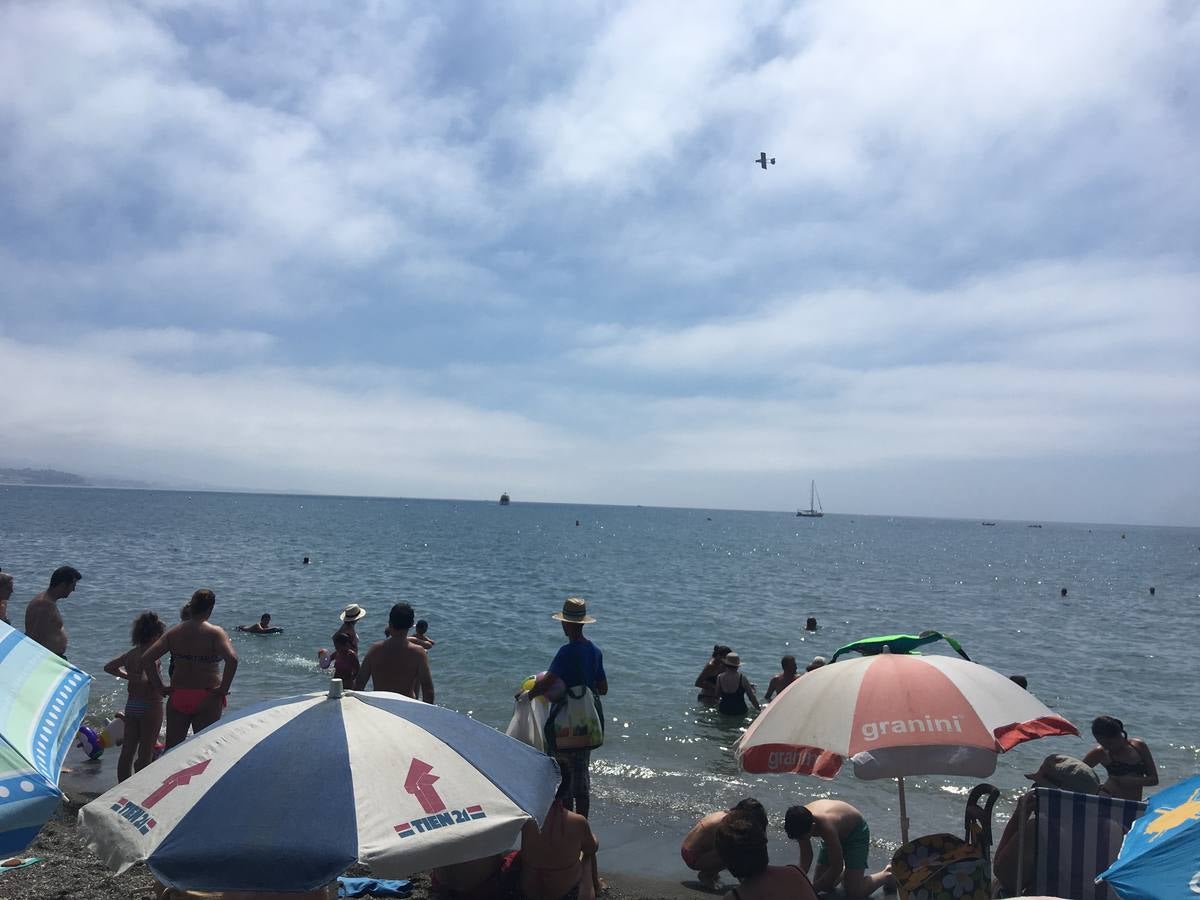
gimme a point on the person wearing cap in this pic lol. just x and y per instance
(817, 662)
(578, 662)
(733, 687)
(1066, 773)
(350, 617)
(43, 622)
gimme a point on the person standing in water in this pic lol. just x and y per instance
(199, 686)
(707, 679)
(1128, 761)
(733, 687)
(144, 706)
(783, 679)
(395, 663)
(43, 623)
(350, 617)
(6, 589)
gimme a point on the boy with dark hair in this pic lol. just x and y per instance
(845, 845)
(419, 637)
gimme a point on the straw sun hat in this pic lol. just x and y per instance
(352, 613)
(574, 610)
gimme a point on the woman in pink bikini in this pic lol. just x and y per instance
(198, 686)
(144, 708)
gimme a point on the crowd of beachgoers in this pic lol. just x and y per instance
(558, 859)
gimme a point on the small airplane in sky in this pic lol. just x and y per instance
(763, 160)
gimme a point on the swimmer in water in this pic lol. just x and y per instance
(262, 626)
(811, 624)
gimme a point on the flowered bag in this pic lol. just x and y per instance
(941, 867)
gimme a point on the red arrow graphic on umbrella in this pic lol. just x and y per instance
(179, 779)
(419, 783)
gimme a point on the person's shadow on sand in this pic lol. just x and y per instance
(717, 889)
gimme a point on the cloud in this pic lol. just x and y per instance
(416, 249)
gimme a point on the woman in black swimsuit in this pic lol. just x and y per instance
(1127, 760)
(733, 687)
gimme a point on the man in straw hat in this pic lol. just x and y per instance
(578, 662)
(350, 616)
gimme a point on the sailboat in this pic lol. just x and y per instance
(814, 510)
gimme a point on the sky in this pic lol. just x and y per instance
(452, 249)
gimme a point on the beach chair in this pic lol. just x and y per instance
(1077, 837)
(940, 866)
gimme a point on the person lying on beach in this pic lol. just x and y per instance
(418, 636)
(560, 858)
(395, 664)
(1066, 773)
(699, 847)
(1128, 761)
(733, 687)
(262, 626)
(144, 706)
(707, 679)
(783, 679)
(845, 845)
(742, 845)
(199, 684)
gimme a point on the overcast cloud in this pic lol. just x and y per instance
(450, 249)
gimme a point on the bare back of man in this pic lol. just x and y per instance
(44, 624)
(558, 857)
(846, 838)
(399, 666)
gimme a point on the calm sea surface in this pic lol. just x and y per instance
(665, 585)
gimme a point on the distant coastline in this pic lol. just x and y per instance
(30, 477)
(44, 477)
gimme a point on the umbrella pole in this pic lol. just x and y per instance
(903, 813)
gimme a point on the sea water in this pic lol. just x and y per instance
(664, 586)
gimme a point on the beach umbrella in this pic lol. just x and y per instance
(894, 716)
(42, 701)
(285, 795)
(1160, 856)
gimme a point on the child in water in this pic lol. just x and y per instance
(343, 659)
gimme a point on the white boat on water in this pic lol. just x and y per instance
(814, 510)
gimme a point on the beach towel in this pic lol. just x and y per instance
(373, 887)
(29, 861)
(1078, 836)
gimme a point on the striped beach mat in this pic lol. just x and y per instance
(1078, 837)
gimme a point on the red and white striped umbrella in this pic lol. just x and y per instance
(895, 715)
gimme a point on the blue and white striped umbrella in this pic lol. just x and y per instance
(286, 795)
(42, 701)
